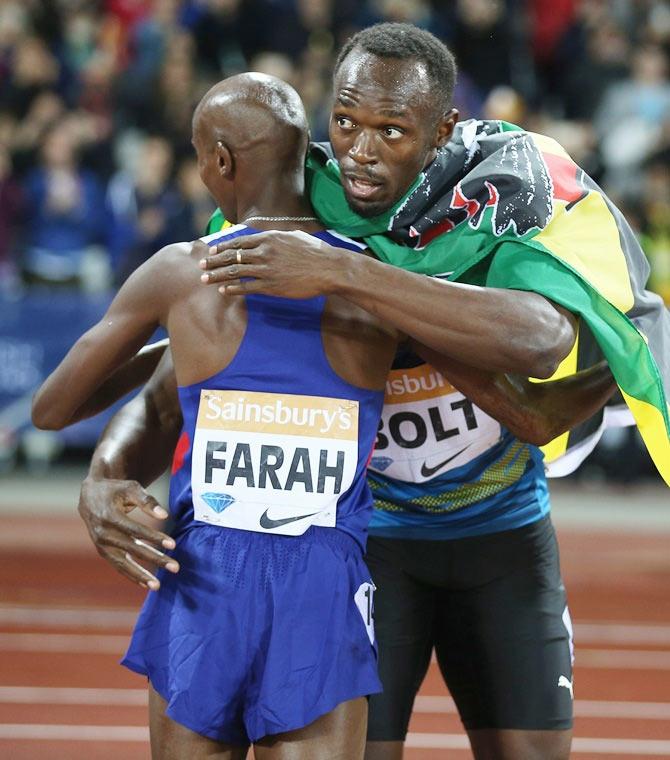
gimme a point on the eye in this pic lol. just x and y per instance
(344, 123)
(393, 133)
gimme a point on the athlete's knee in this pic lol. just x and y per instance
(510, 744)
(383, 750)
(545, 745)
(337, 735)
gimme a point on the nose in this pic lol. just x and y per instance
(362, 149)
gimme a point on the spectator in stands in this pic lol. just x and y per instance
(195, 202)
(482, 42)
(634, 117)
(592, 71)
(143, 204)
(655, 236)
(66, 220)
(222, 37)
(33, 69)
(506, 104)
(10, 211)
(28, 133)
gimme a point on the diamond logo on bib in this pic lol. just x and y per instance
(289, 454)
(218, 501)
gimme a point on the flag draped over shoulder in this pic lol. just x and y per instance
(507, 208)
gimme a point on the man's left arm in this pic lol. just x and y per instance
(496, 329)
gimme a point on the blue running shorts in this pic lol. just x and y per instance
(258, 634)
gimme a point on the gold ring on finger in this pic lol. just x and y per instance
(239, 256)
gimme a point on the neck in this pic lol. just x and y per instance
(283, 197)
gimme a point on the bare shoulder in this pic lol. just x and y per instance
(174, 254)
(172, 266)
(167, 277)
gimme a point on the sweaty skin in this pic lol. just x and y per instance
(205, 333)
(382, 138)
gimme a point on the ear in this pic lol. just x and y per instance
(445, 127)
(224, 159)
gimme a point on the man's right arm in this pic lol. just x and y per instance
(534, 412)
(135, 448)
(134, 373)
(494, 328)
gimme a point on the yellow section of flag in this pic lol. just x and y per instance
(586, 237)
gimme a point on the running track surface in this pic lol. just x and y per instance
(65, 618)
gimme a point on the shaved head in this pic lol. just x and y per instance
(253, 110)
(250, 135)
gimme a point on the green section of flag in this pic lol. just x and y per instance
(215, 223)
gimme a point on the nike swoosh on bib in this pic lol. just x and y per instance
(268, 523)
(426, 472)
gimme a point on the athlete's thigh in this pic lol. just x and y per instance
(337, 735)
(172, 741)
(504, 744)
(503, 641)
(404, 617)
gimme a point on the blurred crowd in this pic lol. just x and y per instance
(96, 98)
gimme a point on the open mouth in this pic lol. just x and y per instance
(360, 188)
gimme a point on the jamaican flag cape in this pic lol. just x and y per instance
(506, 208)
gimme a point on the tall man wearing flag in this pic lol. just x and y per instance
(461, 542)
(497, 207)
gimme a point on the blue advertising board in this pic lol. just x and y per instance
(36, 330)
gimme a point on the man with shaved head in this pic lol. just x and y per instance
(265, 636)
